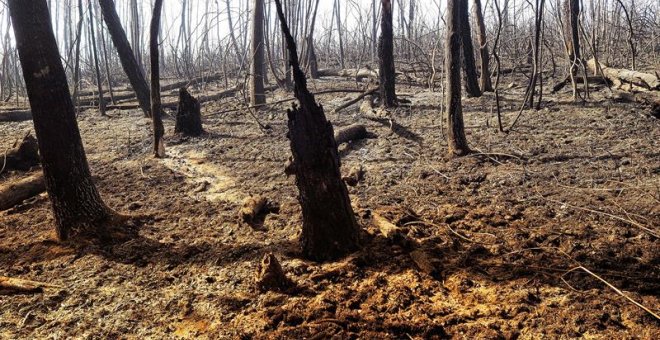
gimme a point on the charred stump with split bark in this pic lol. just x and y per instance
(188, 116)
(329, 226)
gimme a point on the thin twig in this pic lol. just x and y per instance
(617, 290)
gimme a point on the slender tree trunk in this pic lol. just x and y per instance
(386, 56)
(76, 69)
(486, 85)
(471, 82)
(458, 145)
(232, 35)
(97, 69)
(126, 57)
(76, 203)
(136, 33)
(340, 33)
(157, 122)
(257, 95)
(571, 13)
(329, 226)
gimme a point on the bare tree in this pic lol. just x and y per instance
(471, 83)
(157, 122)
(486, 85)
(329, 226)
(76, 204)
(386, 57)
(458, 145)
(97, 69)
(257, 95)
(127, 58)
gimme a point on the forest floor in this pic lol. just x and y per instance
(572, 185)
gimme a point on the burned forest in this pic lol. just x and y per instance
(330, 169)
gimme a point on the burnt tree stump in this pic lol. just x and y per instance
(188, 116)
(22, 156)
(329, 226)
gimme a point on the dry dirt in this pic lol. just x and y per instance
(572, 185)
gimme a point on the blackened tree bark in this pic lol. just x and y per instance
(188, 116)
(471, 82)
(486, 84)
(126, 57)
(157, 121)
(458, 145)
(76, 203)
(386, 56)
(329, 226)
(257, 95)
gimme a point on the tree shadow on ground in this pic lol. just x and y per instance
(398, 129)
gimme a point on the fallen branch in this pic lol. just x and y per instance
(354, 101)
(10, 286)
(628, 221)
(617, 290)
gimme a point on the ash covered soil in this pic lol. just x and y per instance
(501, 232)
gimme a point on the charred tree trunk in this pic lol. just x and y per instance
(23, 156)
(126, 57)
(458, 145)
(386, 56)
(486, 85)
(188, 116)
(157, 121)
(76, 203)
(257, 96)
(471, 82)
(329, 226)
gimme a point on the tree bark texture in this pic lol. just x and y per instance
(486, 84)
(471, 82)
(257, 95)
(329, 226)
(386, 56)
(75, 200)
(458, 145)
(188, 116)
(157, 121)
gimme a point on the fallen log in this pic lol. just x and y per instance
(22, 156)
(618, 77)
(15, 116)
(351, 133)
(16, 192)
(11, 286)
(358, 74)
(202, 99)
